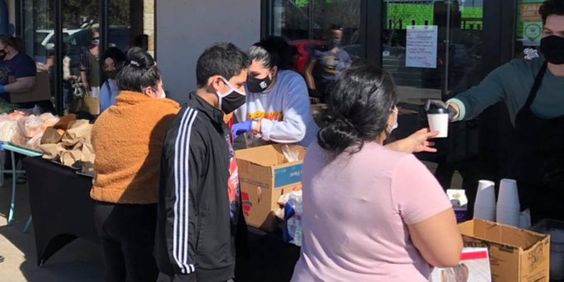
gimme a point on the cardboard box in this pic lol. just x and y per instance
(39, 92)
(265, 175)
(516, 255)
(474, 266)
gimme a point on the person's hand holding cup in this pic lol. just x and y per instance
(439, 115)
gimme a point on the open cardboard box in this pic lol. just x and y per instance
(516, 255)
(265, 174)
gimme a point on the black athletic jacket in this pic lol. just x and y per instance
(194, 231)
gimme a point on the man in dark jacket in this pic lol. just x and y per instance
(199, 189)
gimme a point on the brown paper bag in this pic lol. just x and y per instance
(69, 158)
(65, 122)
(52, 136)
(80, 131)
(52, 151)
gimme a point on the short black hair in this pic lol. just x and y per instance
(115, 54)
(223, 59)
(12, 41)
(140, 71)
(273, 51)
(358, 109)
(551, 7)
(336, 27)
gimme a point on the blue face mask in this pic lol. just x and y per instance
(232, 100)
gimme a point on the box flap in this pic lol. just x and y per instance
(269, 155)
(500, 234)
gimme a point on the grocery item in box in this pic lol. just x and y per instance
(474, 266)
(459, 203)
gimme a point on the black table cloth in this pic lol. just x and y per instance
(61, 206)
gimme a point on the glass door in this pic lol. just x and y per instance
(432, 48)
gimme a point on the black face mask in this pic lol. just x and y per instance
(231, 101)
(111, 74)
(552, 47)
(333, 42)
(258, 85)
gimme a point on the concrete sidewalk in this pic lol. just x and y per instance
(81, 260)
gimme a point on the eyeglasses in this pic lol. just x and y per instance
(95, 38)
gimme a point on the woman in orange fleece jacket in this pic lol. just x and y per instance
(128, 140)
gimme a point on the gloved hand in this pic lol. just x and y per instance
(2, 89)
(242, 127)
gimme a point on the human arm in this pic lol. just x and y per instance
(24, 74)
(21, 84)
(183, 166)
(84, 65)
(84, 79)
(438, 239)
(309, 74)
(427, 212)
(491, 90)
(295, 112)
(415, 143)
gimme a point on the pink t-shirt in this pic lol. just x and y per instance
(356, 208)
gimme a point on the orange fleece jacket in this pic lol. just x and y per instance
(128, 139)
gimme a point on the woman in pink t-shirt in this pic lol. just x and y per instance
(370, 213)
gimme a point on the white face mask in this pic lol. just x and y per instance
(391, 128)
(162, 94)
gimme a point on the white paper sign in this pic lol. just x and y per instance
(421, 49)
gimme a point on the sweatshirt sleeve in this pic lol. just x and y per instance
(489, 92)
(295, 110)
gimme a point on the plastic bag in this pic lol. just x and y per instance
(30, 126)
(293, 210)
(8, 129)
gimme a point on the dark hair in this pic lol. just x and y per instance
(139, 71)
(551, 7)
(358, 109)
(115, 54)
(223, 59)
(12, 41)
(335, 27)
(273, 51)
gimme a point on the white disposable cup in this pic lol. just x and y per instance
(508, 193)
(508, 207)
(484, 205)
(439, 122)
(509, 216)
(525, 219)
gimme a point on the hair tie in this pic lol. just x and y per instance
(135, 63)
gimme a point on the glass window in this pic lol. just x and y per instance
(449, 61)
(529, 26)
(325, 34)
(38, 43)
(130, 23)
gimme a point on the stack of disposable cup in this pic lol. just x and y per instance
(484, 206)
(508, 208)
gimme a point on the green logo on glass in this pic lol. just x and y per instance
(532, 31)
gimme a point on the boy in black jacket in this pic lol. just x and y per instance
(199, 190)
